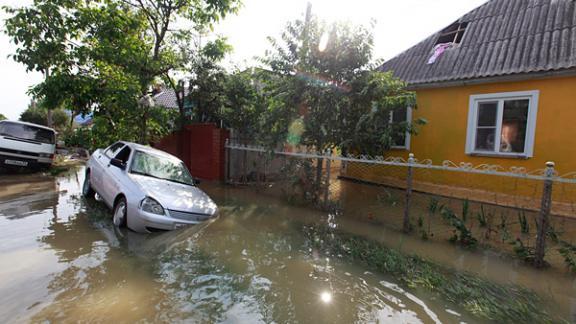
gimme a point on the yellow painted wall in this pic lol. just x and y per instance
(444, 138)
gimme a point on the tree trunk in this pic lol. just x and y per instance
(144, 129)
(49, 121)
(49, 113)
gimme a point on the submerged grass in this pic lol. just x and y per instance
(481, 298)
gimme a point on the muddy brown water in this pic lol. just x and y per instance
(63, 261)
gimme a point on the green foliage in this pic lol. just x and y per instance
(102, 56)
(79, 137)
(207, 92)
(433, 207)
(39, 115)
(524, 226)
(105, 131)
(34, 115)
(462, 234)
(465, 209)
(483, 299)
(324, 72)
(481, 217)
(568, 252)
(244, 105)
(2, 117)
(524, 252)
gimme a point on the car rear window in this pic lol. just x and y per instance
(27, 132)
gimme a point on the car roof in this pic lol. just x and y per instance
(148, 149)
(28, 124)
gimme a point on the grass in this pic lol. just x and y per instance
(60, 165)
(479, 297)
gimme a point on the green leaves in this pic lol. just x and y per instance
(325, 73)
(101, 56)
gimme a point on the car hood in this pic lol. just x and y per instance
(176, 196)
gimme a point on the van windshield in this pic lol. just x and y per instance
(27, 132)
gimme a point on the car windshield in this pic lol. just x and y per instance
(27, 132)
(164, 168)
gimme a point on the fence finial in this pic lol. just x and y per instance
(550, 168)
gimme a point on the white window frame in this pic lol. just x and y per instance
(532, 96)
(406, 145)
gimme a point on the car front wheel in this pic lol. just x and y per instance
(120, 211)
(87, 190)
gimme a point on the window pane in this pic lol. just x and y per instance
(27, 132)
(399, 139)
(487, 112)
(514, 123)
(124, 155)
(161, 168)
(114, 149)
(485, 139)
(399, 115)
(399, 118)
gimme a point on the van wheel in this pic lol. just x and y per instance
(87, 190)
(120, 212)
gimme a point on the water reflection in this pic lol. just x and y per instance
(69, 263)
(326, 297)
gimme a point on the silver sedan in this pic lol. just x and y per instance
(148, 189)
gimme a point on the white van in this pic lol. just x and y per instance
(26, 145)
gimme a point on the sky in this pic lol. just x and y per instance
(400, 24)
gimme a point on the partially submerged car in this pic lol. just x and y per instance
(26, 145)
(148, 189)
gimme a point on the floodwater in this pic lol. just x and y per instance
(61, 260)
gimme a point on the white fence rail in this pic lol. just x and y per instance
(486, 169)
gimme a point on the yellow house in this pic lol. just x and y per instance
(497, 87)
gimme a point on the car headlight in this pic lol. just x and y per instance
(151, 206)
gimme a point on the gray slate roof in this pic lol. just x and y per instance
(167, 98)
(503, 38)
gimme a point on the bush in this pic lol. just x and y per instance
(38, 115)
(80, 137)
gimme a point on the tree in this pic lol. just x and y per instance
(169, 41)
(207, 81)
(104, 55)
(2, 117)
(326, 75)
(244, 105)
(44, 33)
(327, 80)
(37, 114)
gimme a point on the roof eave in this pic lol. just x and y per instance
(495, 79)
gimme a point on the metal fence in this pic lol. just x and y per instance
(302, 172)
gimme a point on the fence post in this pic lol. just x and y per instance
(543, 216)
(327, 189)
(406, 227)
(227, 161)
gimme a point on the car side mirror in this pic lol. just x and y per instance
(196, 181)
(118, 163)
